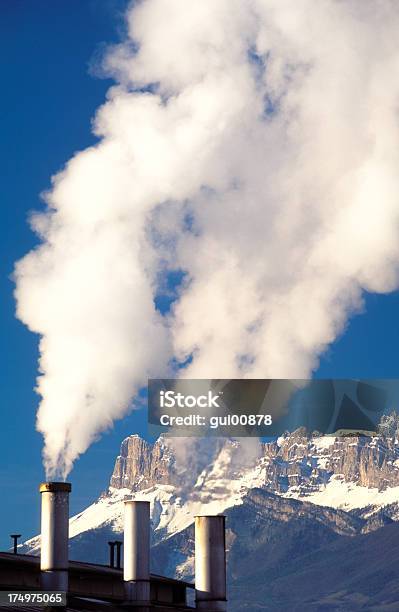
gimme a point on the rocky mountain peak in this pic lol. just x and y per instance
(307, 461)
(297, 463)
(141, 465)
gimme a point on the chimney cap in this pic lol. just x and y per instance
(212, 516)
(55, 487)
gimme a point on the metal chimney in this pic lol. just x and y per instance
(118, 553)
(136, 554)
(210, 563)
(54, 535)
(15, 537)
(111, 554)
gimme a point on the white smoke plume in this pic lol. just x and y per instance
(253, 145)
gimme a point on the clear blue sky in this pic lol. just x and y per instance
(47, 101)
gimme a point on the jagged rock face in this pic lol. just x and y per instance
(176, 462)
(140, 465)
(295, 462)
(298, 461)
(369, 463)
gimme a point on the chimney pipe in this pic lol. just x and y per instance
(136, 554)
(118, 553)
(54, 535)
(210, 563)
(15, 537)
(111, 554)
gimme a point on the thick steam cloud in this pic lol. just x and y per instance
(254, 148)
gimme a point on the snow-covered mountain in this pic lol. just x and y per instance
(304, 513)
(185, 477)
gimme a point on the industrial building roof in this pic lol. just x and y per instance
(91, 586)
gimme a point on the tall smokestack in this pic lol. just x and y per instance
(136, 550)
(54, 535)
(210, 563)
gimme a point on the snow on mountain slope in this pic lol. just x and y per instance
(185, 477)
(173, 507)
(348, 473)
(338, 493)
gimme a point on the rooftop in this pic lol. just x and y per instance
(91, 586)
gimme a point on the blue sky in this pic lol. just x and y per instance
(48, 99)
